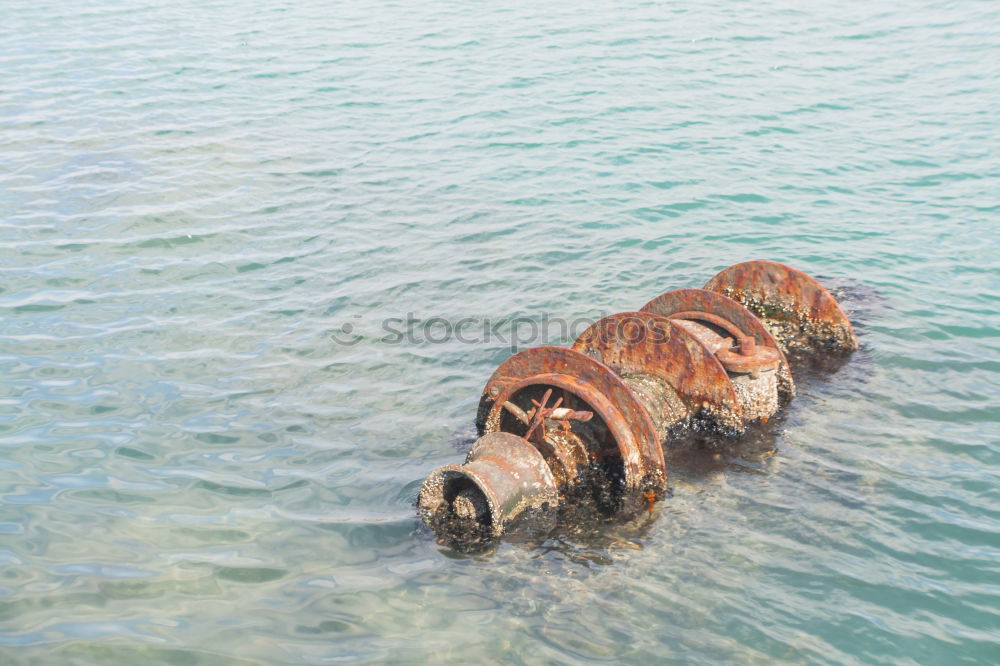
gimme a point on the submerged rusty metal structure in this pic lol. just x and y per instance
(561, 424)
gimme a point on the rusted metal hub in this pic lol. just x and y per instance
(719, 310)
(746, 357)
(751, 370)
(562, 424)
(749, 358)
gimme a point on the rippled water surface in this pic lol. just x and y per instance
(195, 197)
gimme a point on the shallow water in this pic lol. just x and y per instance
(196, 197)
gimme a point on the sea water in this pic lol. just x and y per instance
(236, 240)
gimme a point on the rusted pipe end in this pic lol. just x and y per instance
(503, 476)
(749, 359)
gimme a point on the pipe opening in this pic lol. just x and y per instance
(457, 509)
(465, 500)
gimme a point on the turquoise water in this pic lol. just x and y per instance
(196, 197)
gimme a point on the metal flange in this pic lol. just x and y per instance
(797, 310)
(585, 384)
(693, 304)
(637, 345)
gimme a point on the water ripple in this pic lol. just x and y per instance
(196, 197)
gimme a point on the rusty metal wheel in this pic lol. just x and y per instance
(797, 310)
(710, 306)
(671, 372)
(621, 432)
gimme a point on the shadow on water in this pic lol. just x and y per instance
(861, 302)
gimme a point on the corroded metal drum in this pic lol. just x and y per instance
(561, 425)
